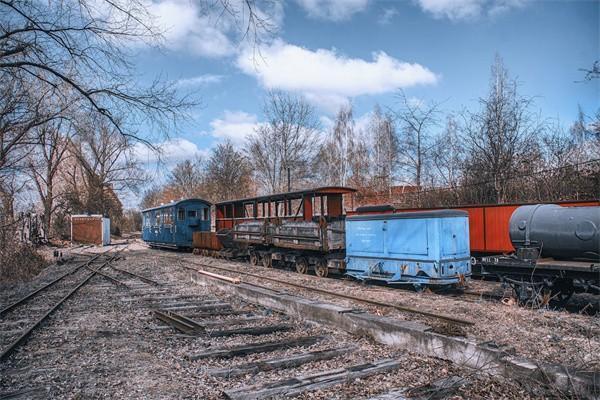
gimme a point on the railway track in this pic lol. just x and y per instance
(141, 328)
(311, 288)
(23, 316)
(492, 294)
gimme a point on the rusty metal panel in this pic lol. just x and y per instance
(497, 238)
(476, 228)
(206, 240)
(86, 229)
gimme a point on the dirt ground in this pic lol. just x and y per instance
(562, 337)
(106, 342)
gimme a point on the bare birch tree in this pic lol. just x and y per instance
(287, 141)
(334, 160)
(385, 150)
(416, 120)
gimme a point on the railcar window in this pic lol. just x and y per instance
(168, 216)
(192, 214)
(180, 214)
(158, 218)
(205, 214)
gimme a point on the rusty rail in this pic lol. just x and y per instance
(25, 334)
(342, 295)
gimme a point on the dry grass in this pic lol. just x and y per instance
(19, 262)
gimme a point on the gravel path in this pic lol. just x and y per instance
(106, 342)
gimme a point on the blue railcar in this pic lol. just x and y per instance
(429, 248)
(173, 224)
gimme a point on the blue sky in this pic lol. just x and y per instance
(365, 50)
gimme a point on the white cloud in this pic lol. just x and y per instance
(186, 28)
(210, 30)
(324, 76)
(234, 125)
(169, 152)
(467, 9)
(333, 10)
(387, 16)
(199, 80)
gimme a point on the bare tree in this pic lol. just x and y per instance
(593, 72)
(385, 150)
(187, 178)
(501, 138)
(334, 160)
(416, 119)
(107, 166)
(287, 141)
(447, 155)
(44, 162)
(228, 173)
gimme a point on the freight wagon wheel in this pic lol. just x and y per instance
(267, 262)
(321, 269)
(301, 265)
(253, 259)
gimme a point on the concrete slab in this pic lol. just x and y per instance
(413, 336)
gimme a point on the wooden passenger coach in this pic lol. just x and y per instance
(174, 224)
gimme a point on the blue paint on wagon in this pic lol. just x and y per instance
(173, 224)
(429, 248)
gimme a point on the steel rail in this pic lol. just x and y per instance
(23, 337)
(110, 278)
(346, 296)
(46, 286)
(142, 278)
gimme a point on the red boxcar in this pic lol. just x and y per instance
(488, 224)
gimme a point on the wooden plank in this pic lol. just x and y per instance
(263, 347)
(220, 277)
(280, 363)
(305, 383)
(231, 321)
(218, 313)
(251, 330)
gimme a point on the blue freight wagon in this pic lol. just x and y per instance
(428, 248)
(173, 224)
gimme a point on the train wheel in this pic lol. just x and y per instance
(321, 269)
(301, 265)
(253, 259)
(267, 261)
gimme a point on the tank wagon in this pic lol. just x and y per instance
(557, 252)
(548, 249)
(417, 248)
(173, 225)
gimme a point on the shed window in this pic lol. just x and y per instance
(205, 214)
(180, 214)
(192, 214)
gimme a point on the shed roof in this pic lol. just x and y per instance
(319, 191)
(175, 203)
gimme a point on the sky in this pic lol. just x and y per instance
(364, 51)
